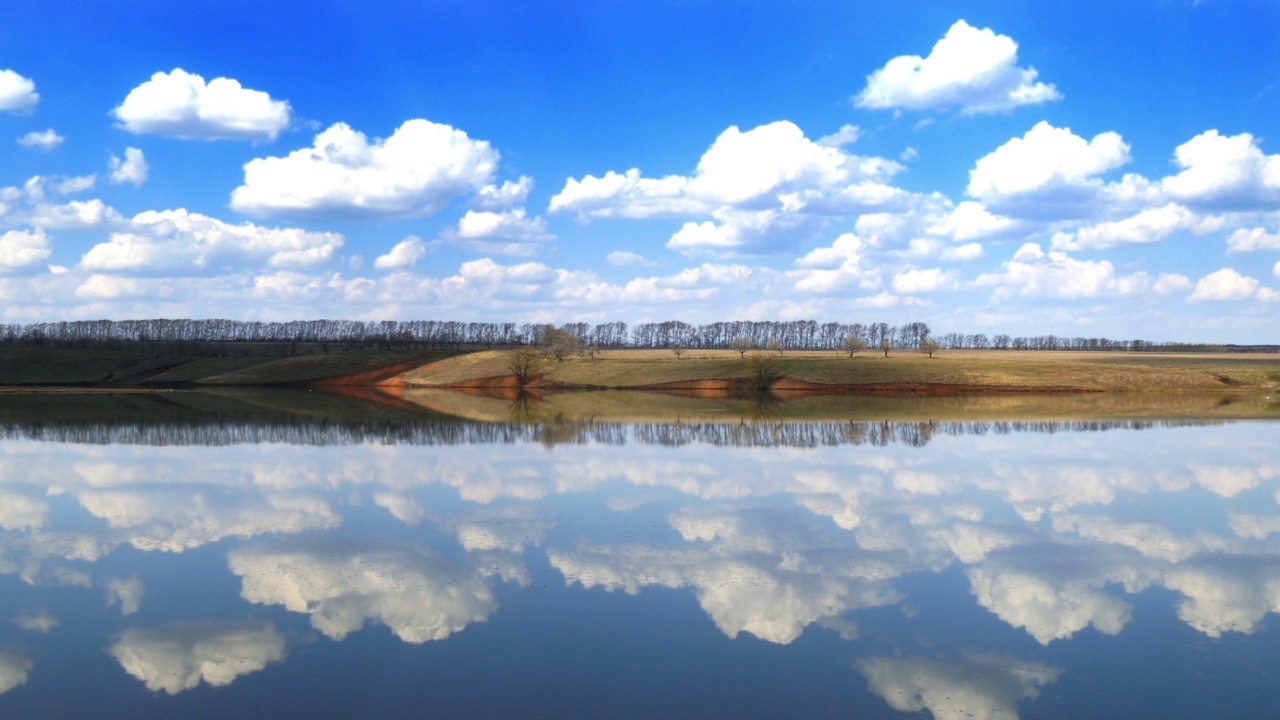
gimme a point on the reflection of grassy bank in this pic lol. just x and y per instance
(222, 405)
(641, 406)
(964, 371)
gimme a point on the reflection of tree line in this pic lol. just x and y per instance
(302, 431)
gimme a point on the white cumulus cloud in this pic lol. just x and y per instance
(17, 93)
(132, 169)
(175, 658)
(973, 69)
(405, 254)
(1150, 225)
(506, 232)
(22, 249)
(1047, 165)
(127, 593)
(182, 241)
(764, 189)
(1226, 284)
(182, 105)
(1032, 272)
(626, 258)
(14, 670)
(914, 281)
(41, 140)
(500, 197)
(418, 170)
(1224, 171)
(41, 621)
(979, 687)
(1252, 240)
(419, 595)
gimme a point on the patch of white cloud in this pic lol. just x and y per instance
(126, 592)
(180, 104)
(972, 221)
(509, 232)
(1032, 272)
(402, 507)
(1246, 240)
(977, 687)
(914, 281)
(418, 170)
(15, 668)
(41, 621)
(1050, 608)
(175, 658)
(174, 519)
(763, 189)
(405, 254)
(626, 258)
(45, 140)
(962, 253)
(17, 93)
(132, 169)
(1149, 226)
(972, 69)
(1227, 285)
(416, 593)
(502, 197)
(38, 203)
(1048, 169)
(846, 135)
(1224, 172)
(24, 249)
(181, 241)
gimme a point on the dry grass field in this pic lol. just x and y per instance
(971, 370)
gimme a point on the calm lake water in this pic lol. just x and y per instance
(236, 566)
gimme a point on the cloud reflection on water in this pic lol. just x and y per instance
(1054, 533)
(178, 657)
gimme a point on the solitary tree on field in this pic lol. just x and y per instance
(929, 346)
(775, 346)
(886, 345)
(853, 345)
(743, 344)
(678, 349)
(560, 343)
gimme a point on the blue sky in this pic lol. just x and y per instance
(1097, 169)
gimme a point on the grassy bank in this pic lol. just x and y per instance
(29, 366)
(968, 370)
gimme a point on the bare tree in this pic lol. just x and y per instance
(742, 344)
(776, 346)
(560, 342)
(886, 345)
(853, 345)
(762, 371)
(929, 346)
(678, 349)
(522, 364)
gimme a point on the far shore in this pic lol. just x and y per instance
(902, 372)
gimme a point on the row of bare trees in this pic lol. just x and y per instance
(330, 335)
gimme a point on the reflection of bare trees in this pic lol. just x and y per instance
(764, 432)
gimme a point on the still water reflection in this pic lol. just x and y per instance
(442, 567)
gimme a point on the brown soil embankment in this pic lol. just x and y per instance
(388, 375)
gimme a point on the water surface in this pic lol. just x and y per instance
(403, 563)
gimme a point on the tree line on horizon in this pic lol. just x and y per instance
(221, 336)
